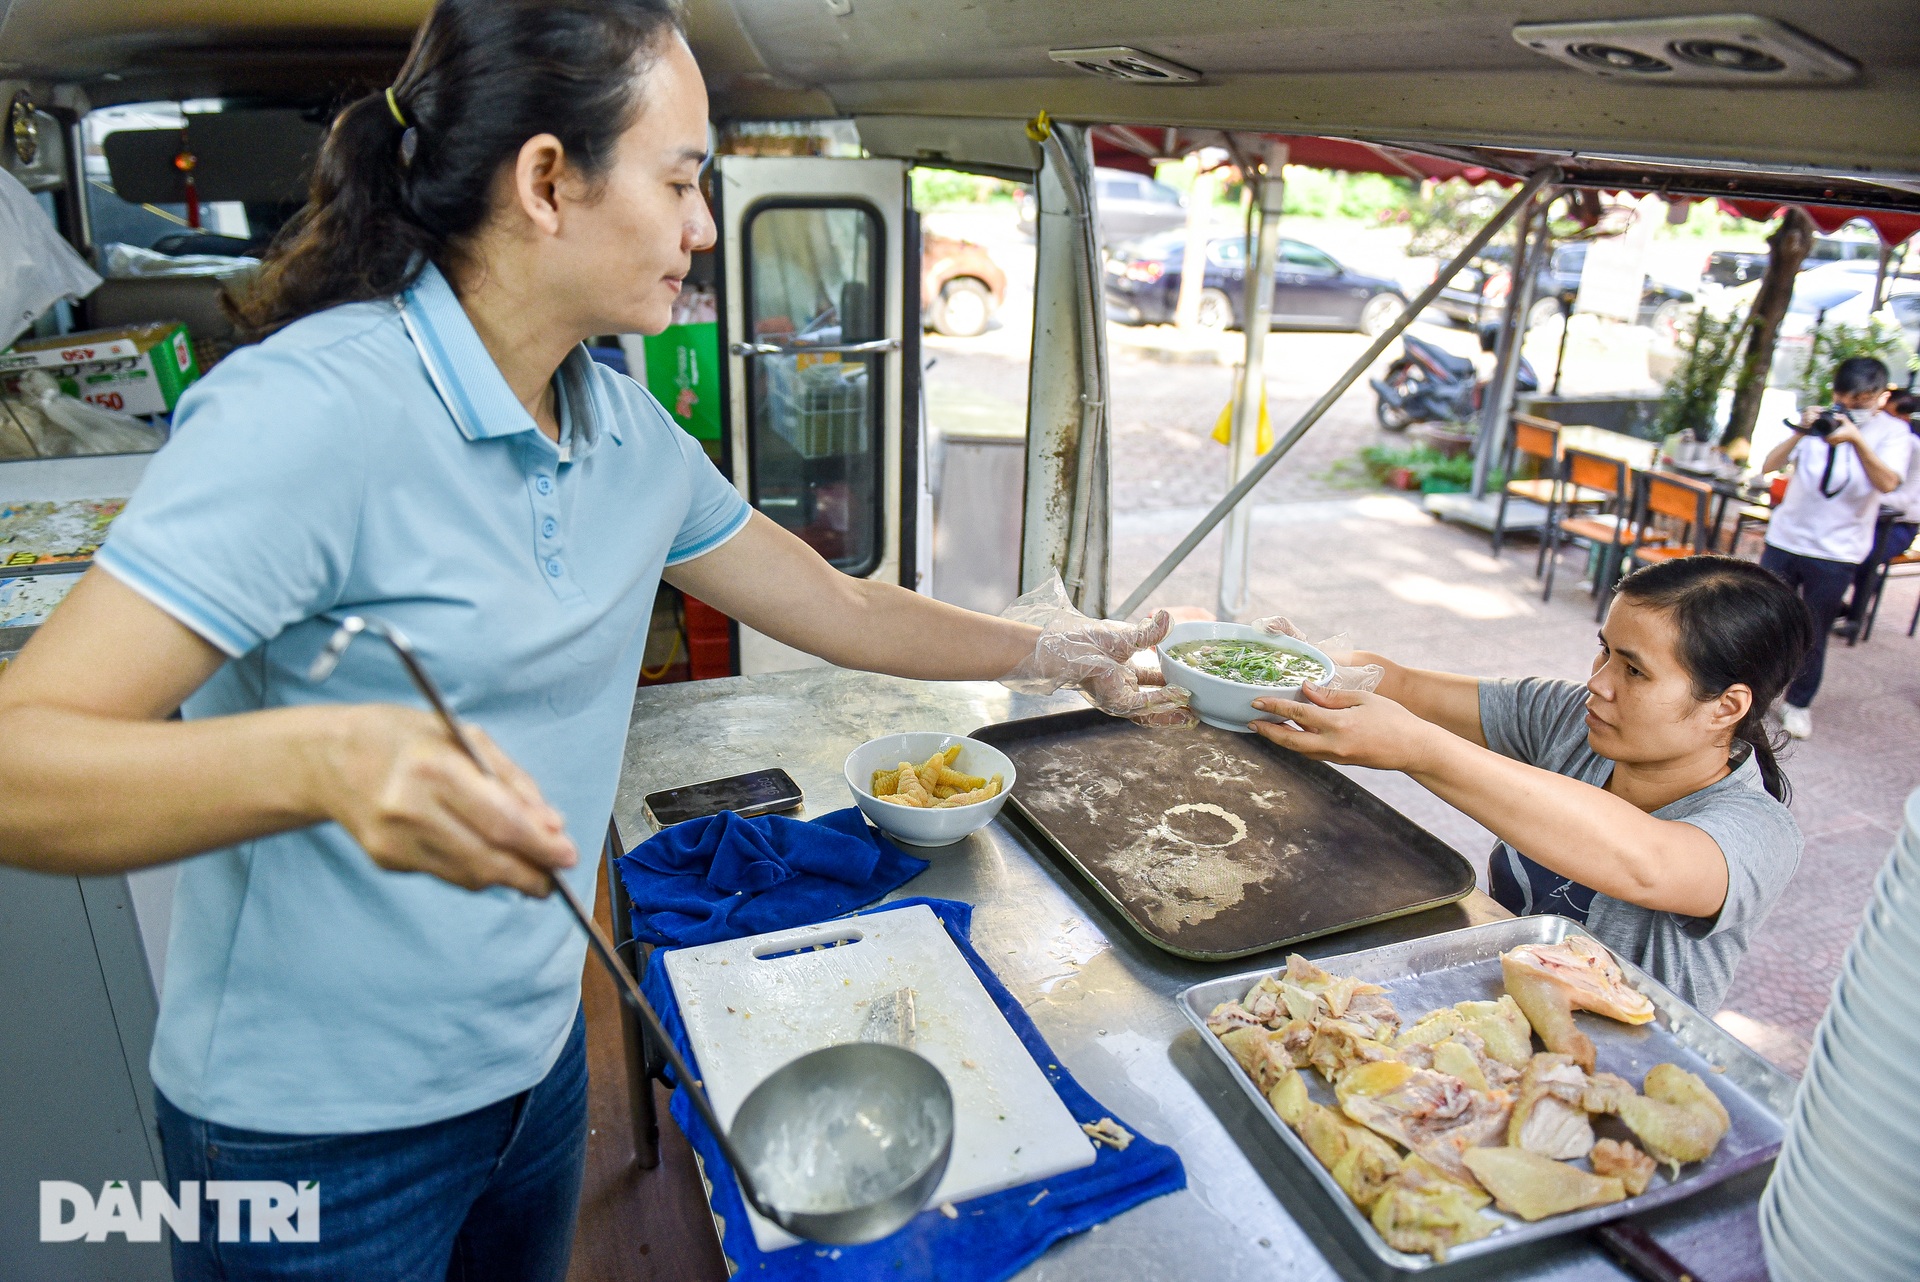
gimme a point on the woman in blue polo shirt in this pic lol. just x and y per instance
(421, 437)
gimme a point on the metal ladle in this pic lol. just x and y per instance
(901, 1099)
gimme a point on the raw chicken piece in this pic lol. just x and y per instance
(1359, 1161)
(1625, 1163)
(1421, 1209)
(1260, 1053)
(1456, 1059)
(1548, 1118)
(1337, 1047)
(1228, 1016)
(1679, 1119)
(1551, 981)
(1502, 1029)
(1289, 1098)
(1437, 1116)
(1311, 994)
(1463, 1055)
(1534, 1187)
(1503, 1026)
(1431, 1029)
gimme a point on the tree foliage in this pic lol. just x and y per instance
(1839, 342)
(1692, 393)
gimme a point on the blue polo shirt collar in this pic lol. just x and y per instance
(472, 387)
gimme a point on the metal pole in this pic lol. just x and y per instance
(1493, 418)
(1243, 442)
(1420, 303)
(1880, 278)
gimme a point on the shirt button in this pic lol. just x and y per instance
(553, 567)
(548, 526)
(544, 484)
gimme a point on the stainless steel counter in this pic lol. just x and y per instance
(1102, 996)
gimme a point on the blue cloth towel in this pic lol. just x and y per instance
(994, 1236)
(723, 877)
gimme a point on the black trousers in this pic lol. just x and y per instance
(1822, 585)
(1890, 539)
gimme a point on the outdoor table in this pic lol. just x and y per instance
(1104, 998)
(1631, 450)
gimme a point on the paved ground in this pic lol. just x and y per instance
(1339, 555)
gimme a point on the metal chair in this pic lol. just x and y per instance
(1744, 515)
(644, 1062)
(1538, 439)
(1611, 532)
(1909, 559)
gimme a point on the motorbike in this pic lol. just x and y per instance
(1429, 384)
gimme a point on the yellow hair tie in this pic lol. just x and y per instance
(1040, 126)
(394, 107)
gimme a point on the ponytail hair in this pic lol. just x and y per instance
(1738, 625)
(406, 175)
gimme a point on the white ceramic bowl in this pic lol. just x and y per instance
(914, 827)
(1223, 703)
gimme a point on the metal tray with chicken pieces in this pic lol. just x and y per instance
(1464, 1093)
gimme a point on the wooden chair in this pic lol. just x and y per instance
(1538, 439)
(1611, 532)
(1906, 561)
(1662, 494)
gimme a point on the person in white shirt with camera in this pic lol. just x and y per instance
(1845, 457)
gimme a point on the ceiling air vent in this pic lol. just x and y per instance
(1717, 49)
(1117, 62)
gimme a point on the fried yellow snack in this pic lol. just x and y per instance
(950, 778)
(911, 788)
(885, 783)
(990, 790)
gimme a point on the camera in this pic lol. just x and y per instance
(1827, 422)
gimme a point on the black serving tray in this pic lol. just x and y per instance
(1216, 845)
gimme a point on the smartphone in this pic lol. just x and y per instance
(763, 792)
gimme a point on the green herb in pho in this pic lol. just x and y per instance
(1253, 663)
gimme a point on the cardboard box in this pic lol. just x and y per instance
(135, 369)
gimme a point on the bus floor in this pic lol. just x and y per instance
(634, 1225)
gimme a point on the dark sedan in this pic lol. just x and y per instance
(1311, 289)
(1478, 294)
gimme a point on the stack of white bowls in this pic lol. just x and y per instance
(1844, 1201)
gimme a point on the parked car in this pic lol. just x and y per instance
(1834, 293)
(961, 287)
(1735, 267)
(1131, 206)
(1311, 288)
(1476, 296)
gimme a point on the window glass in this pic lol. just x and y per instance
(1162, 194)
(1305, 258)
(814, 281)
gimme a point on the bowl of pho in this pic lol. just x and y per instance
(1226, 666)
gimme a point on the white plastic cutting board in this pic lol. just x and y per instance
(749, 1011)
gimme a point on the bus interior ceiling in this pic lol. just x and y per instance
(1434, 75)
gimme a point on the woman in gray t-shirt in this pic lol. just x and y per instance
(1645, 804)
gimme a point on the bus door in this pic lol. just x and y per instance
(820, 319)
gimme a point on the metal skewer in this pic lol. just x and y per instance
(841, 1227)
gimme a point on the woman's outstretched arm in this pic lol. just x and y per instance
(1574, 828)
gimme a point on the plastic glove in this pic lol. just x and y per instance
(1364, 677)
(1091, 655)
